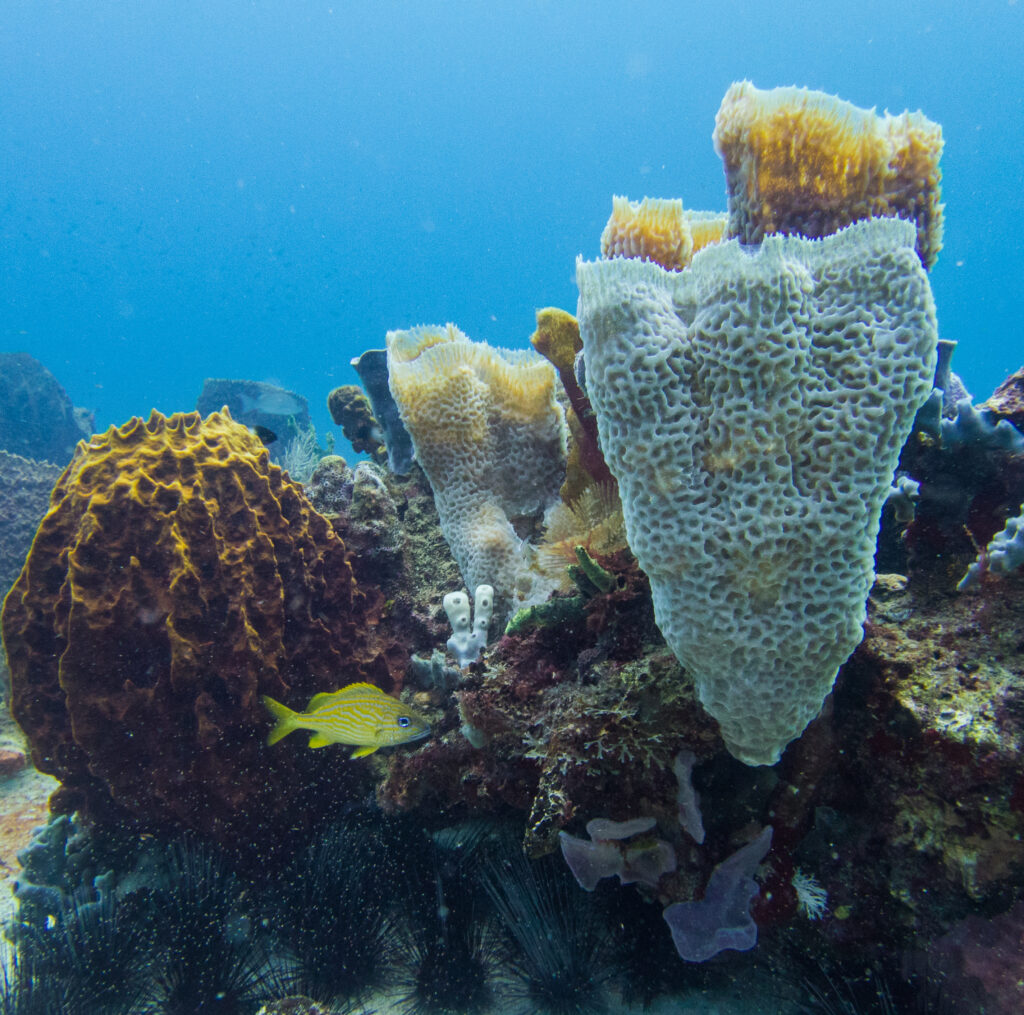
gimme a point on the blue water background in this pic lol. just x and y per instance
(262, 189)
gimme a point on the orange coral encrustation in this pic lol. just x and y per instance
(557, 339)
(176, 577)
(659, 230)
(803, 162)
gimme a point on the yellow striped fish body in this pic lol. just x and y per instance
(361, 715)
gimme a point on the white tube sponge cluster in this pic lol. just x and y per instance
(752, 408)
(469, 632)
(491, 438)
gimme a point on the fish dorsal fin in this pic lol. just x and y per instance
(319, 740)
(360, 688)
(319, 700)
(362, 752)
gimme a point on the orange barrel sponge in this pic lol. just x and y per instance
(176, 577)
(805, 163)
(660, 230)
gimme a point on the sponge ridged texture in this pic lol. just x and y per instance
(803, 162)
(176, 577)
(660, 230)
(752, 409)
(491, 439)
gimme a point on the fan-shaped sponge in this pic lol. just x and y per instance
(752, 409)
(806, 163)
(491, 438)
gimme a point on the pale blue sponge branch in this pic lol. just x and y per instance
(1005, 553)
(975, 426)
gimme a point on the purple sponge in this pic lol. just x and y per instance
(722, 918)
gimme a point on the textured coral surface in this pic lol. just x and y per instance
(1007, 400)
(177, 577)
(491, 439)
(802, 162)
(37, 419)
(25, 487)
(660, 230)
(752, 410)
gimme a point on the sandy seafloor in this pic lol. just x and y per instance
(23, 807)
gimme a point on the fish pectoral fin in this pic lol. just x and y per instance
(362, 752)
(319, 740)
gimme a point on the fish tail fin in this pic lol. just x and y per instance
(286, 719)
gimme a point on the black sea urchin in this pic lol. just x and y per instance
(24, 991)
(450, 947)
(557, 932)
(209, 959)
(95, 955)
(333, 909)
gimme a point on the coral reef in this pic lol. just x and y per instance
(1004, 553)
(660, 230)
(330, 487)
(350, 409)
(491, 439)
(752, 403)
(939, 765)
(37, 419)
(177, 577)
(805, 163)
(738, 407)
(1007, 401)
(256, 404)
(25, 487)
(968, 464)
(56, 865)
(390, 526)
(985, 958)
(372, 367)
(573, 718)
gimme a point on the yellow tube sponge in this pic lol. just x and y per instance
(806, 163)
(659, 230)
(491, 439)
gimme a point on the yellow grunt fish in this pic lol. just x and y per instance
(360, 714)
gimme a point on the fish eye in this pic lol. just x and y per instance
(403, 721)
